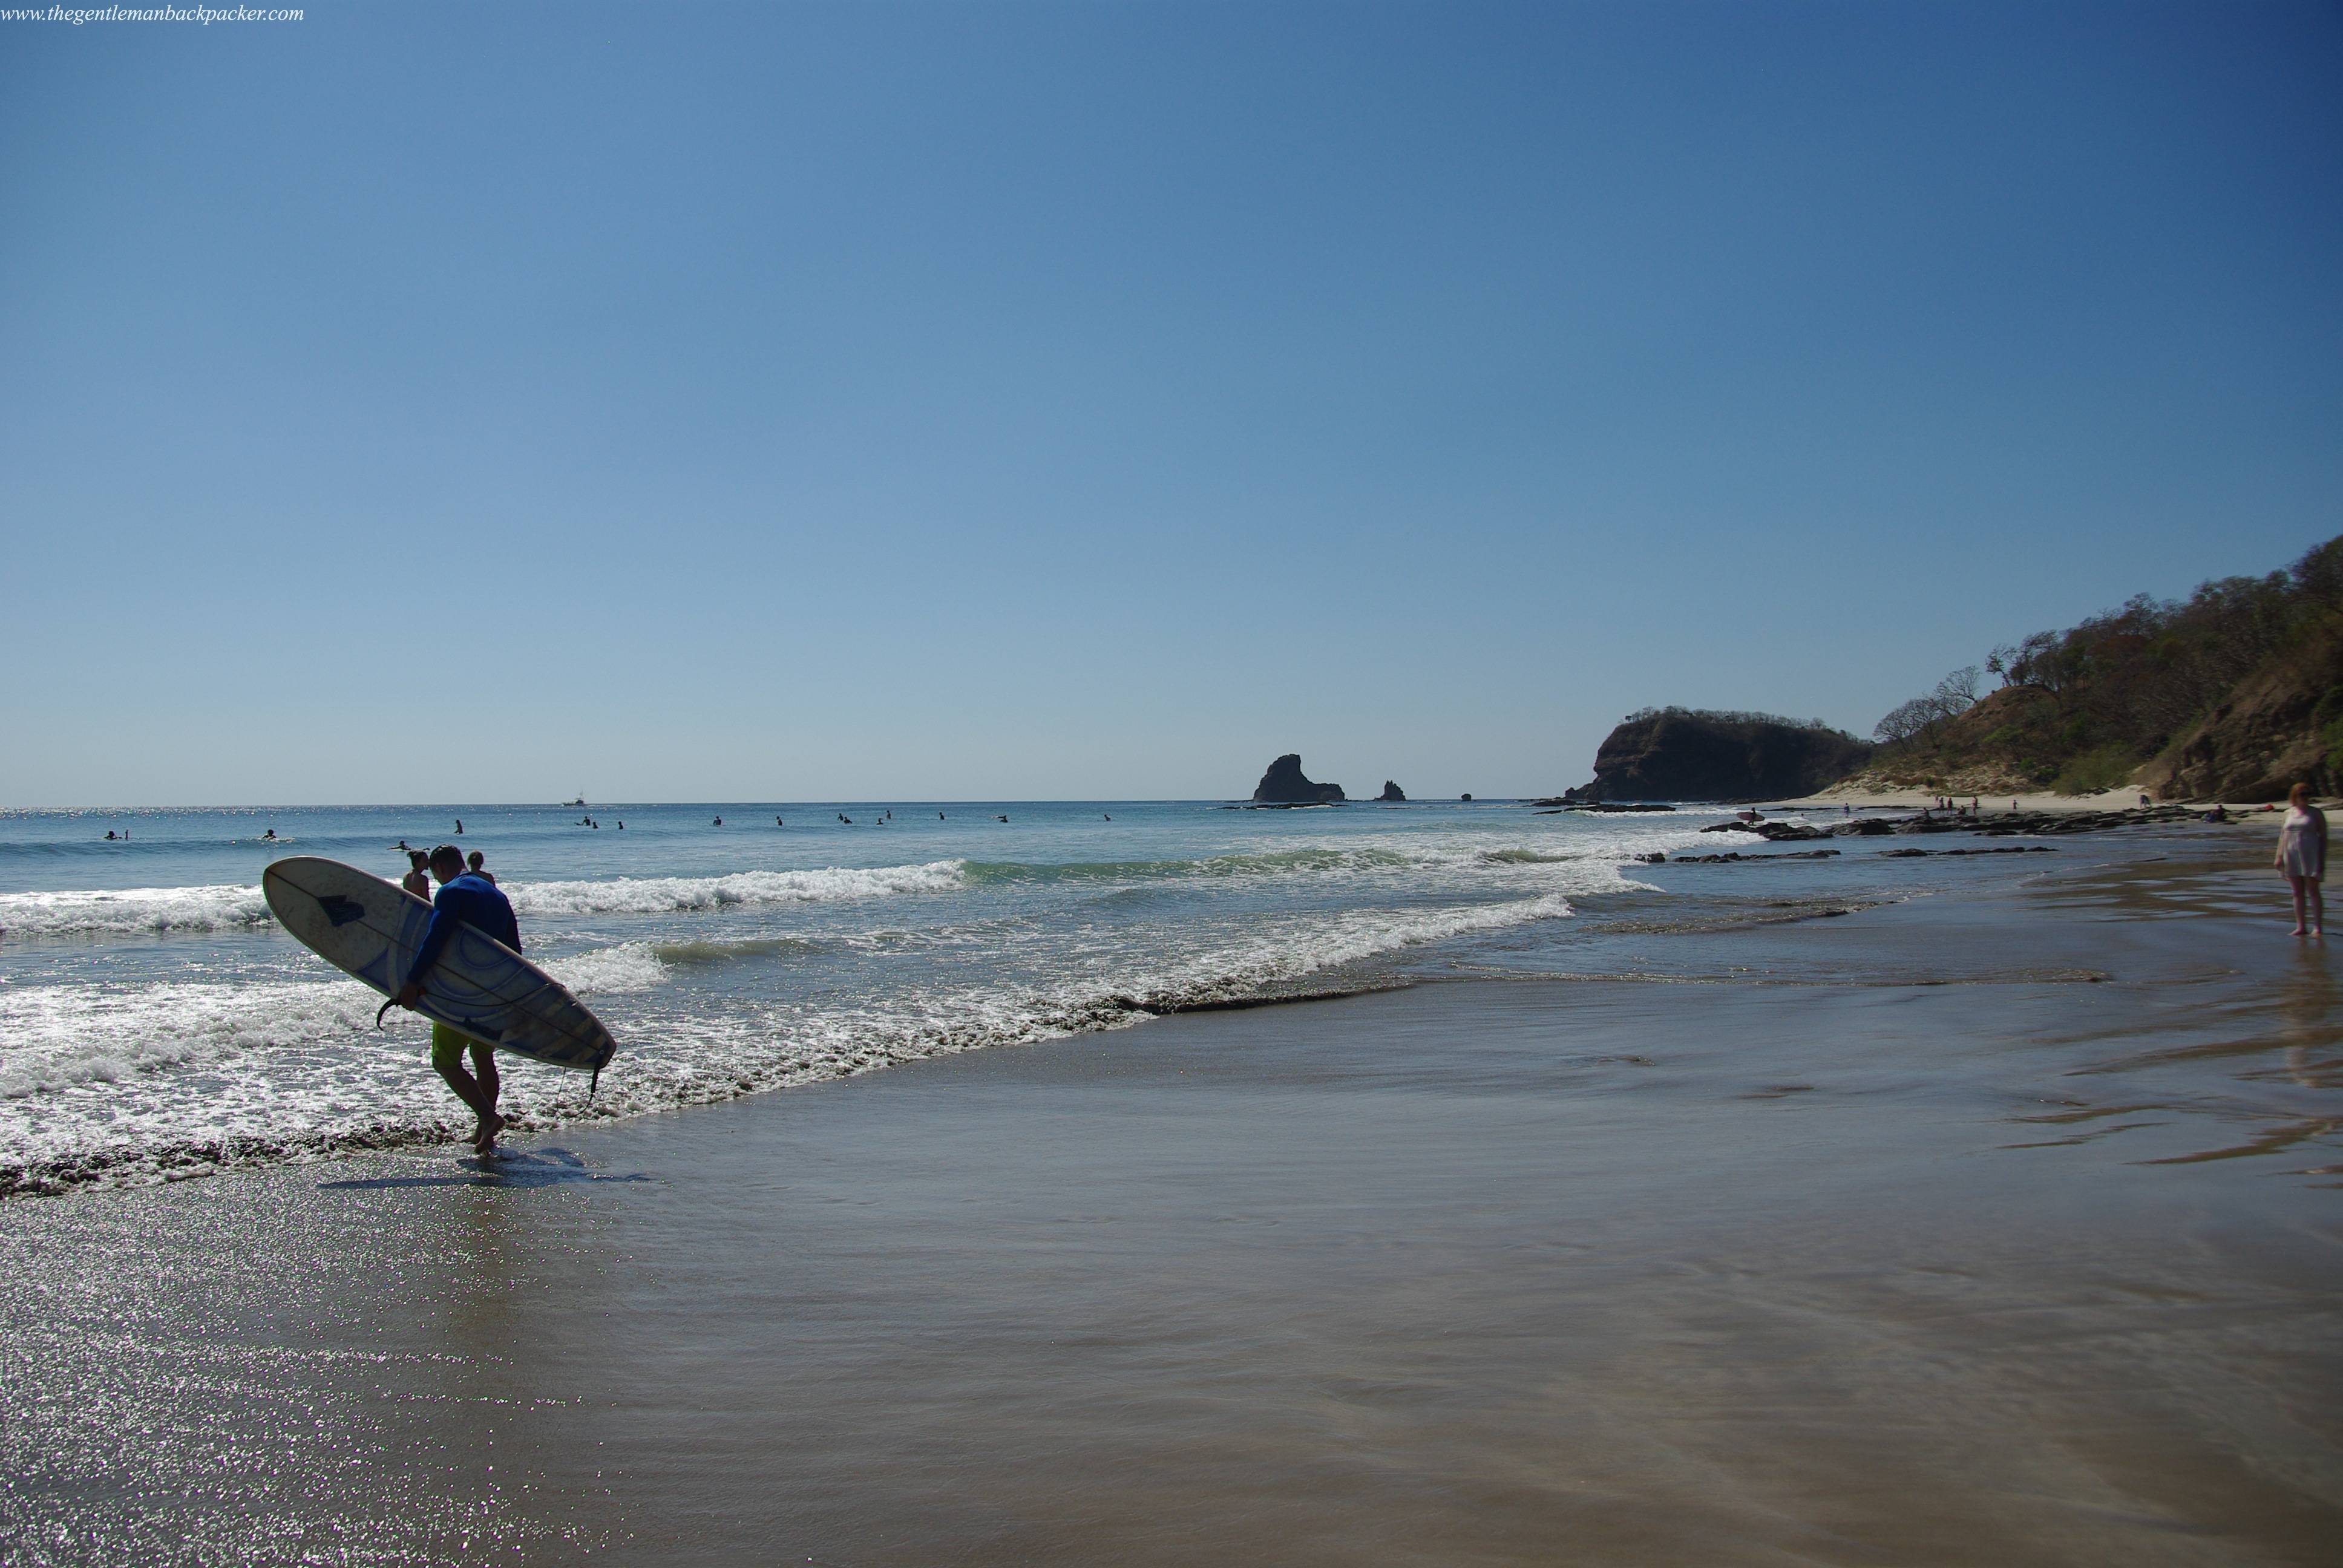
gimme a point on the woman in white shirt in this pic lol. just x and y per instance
(2302, 855)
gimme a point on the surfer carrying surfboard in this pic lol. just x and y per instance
(465, 897)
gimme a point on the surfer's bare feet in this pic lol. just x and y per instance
(485, 1140)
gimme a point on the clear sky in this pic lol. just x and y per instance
(1004, 401)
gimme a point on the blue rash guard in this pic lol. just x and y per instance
(475, 901)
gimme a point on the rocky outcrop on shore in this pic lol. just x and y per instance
(1991, 825)
(1392, 792)
(1285, 785)
(1684, 754)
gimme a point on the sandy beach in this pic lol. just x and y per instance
(1991, 1228)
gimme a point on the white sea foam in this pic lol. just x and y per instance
(677, 895)
(132, 912)
(609, 972)
(55, 1038)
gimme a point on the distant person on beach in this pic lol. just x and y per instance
(2302, 855)
(418, 879)
(464, 898)
(476, 861)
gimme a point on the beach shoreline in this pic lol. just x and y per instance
(1992, 1226)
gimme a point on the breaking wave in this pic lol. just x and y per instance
(132, 912)
(677, 895)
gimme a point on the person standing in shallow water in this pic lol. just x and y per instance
(2302, 855)
(418, 880)
(464, 898)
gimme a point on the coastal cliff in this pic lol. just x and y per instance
(2235, 693)
(2281, 725)
(1694, 754)
(1285, 785)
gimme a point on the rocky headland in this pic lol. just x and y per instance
(1694, 754)
(1393, 793)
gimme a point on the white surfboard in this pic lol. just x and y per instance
(372, 928)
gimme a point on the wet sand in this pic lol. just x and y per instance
(1993, 1229)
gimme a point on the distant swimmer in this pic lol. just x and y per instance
(475, 860)
(402, 844)
(623, 827)
(720, 821)
(1000, 819)
(845, 818)
(109, 832)
(1109, 818)
(779, 823)
(463, 899)
(460, 825)
(418, 879)
(940, 816)
(270, 834)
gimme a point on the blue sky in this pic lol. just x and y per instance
(961, 401)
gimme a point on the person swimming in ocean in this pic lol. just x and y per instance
(459, 827)
(476, 860)
(271, 834)
(467, 898)
(109, 832)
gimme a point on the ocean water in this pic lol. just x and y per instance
(155, 1021)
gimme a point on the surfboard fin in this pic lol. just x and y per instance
(385, 1008)
(593, 1083)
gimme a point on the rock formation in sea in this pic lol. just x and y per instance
(1392, 792)
(1284, 785)
(1690, 754)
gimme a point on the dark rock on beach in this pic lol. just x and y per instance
(1732, 855)
(1770, 831)
(1285, 785)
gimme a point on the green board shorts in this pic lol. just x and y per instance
(447, 1046)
